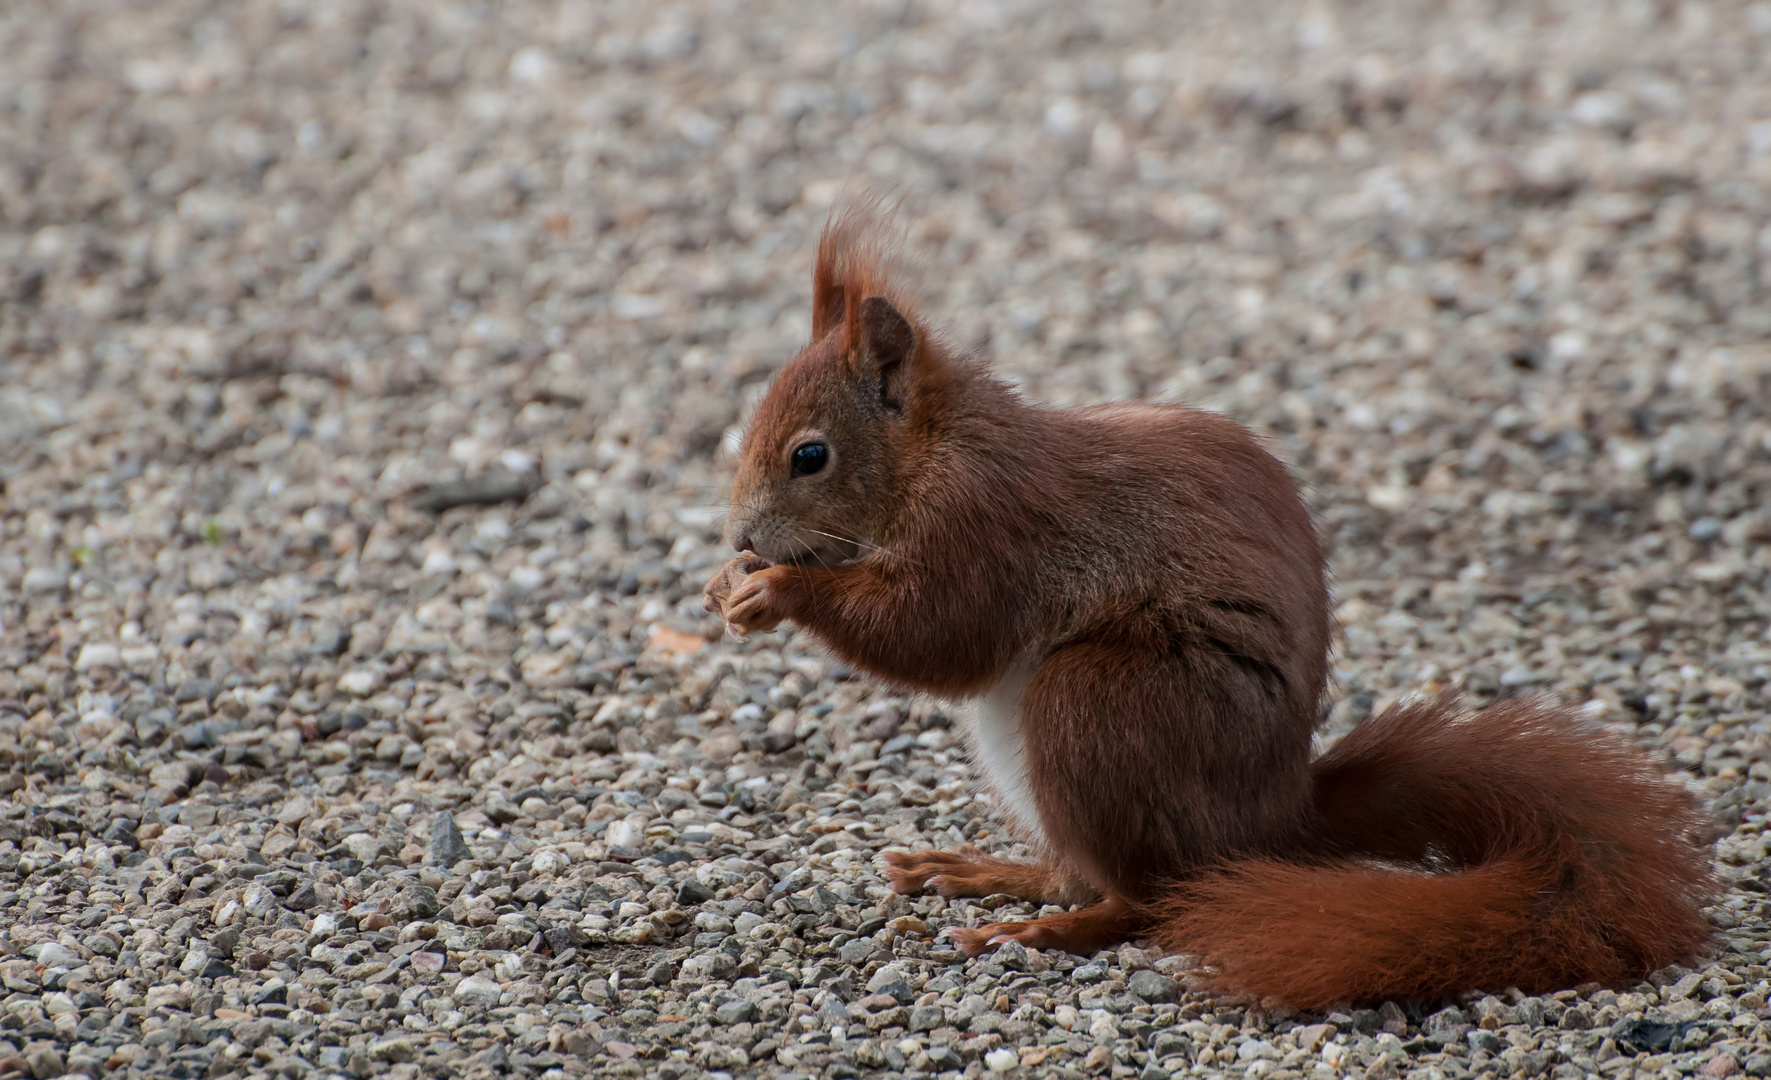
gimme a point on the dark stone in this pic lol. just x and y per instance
(843, 986)
(494, 1057)
(563, 937)
(279, 882)
(62, 823)
(776, 742)
(833, 1011)
(447, 845)
(944, 1057)
(499, 485)
(692, 892)
(422, 901)
(500, 939)
(1012, 955)
(858, 951)
(223, 942)
(927, 1018)
(303, 898)
(1651, 1037)
(277, 994)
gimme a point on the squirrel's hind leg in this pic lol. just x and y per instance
(970, 872)
(1083, 931)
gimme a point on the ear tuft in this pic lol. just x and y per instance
(887, 344)
(856, 258)
(829, 304)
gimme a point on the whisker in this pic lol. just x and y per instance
(859, 543)
(811, 579)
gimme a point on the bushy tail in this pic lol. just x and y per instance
(1515, 847)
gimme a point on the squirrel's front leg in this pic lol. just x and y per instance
(941, 636)
(751, 595)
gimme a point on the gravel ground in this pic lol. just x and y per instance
(316, 765)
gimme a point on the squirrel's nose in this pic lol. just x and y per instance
(742, 542)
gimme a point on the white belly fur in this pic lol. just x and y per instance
(1001, 748)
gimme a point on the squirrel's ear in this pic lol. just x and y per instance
(887, 344)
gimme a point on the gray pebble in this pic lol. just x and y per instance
(447, 845)
(736, 1011)
(1153, 986)
(1093, 971)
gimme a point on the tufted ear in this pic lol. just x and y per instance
(886, 344)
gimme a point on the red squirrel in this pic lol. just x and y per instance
(1134, 597)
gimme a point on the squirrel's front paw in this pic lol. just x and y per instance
(717, 595)
(758, 603)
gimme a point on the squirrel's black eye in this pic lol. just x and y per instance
(808, 458)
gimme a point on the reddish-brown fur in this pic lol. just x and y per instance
(1157, 569)
(1517, 848)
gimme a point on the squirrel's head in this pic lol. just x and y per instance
(817, 474)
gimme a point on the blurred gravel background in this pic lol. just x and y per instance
(310, 773)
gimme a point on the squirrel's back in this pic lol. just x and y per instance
(1140, 507)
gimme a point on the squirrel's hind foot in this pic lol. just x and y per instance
(1084, 931)
(970, 872)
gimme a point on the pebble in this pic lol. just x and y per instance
(1153, 986)
(447, 845)
(475, 990)
(1001, 1060)
(365, 456)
